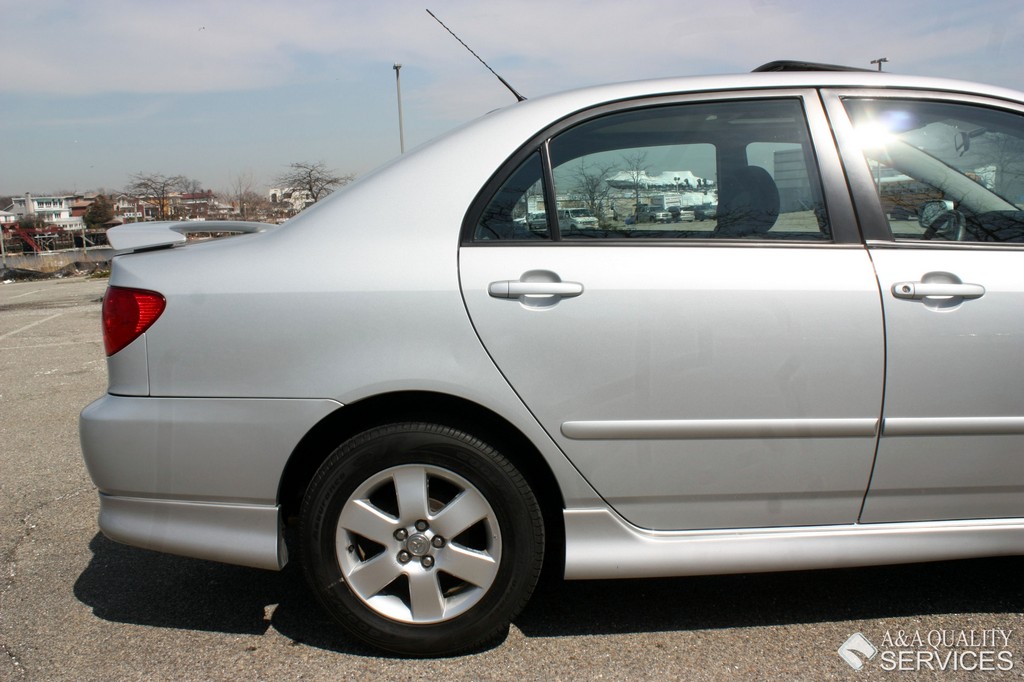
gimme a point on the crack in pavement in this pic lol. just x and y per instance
(10, 556)
(10, 561)
(13, 660)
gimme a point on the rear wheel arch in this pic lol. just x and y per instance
(346, 422)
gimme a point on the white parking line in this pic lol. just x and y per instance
(28, 326)
(27, 293)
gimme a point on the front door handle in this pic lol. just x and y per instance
(919, 290)
(517, 288)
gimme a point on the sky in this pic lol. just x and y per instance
(94, 91)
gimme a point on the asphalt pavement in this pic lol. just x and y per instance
(76, 606)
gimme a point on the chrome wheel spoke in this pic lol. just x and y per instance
(411, 488)
(362, 518)
(370, 577)
(464, 511)
(425, 596)
(475, 568)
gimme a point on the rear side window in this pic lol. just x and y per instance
(516, 211)
(723, 170)
(944, 171)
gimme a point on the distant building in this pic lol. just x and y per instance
(134, 210)
(297, 199)
(81, 204)
(54, 211)
(194, 205)
(665, 181)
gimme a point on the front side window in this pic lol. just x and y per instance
(724, 170)
(944, 171)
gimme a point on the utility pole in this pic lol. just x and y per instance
(880, 61)
(398, 85)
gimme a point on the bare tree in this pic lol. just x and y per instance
(191, 186)
(197, 200)
(251, 205)
(314, 178)
(1007, 155)
(241, 193)
(591, 185)
(636, 170)
(156, 189)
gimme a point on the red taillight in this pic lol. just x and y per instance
(126, 314)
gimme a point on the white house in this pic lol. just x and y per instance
(53, 210)
(298, 199)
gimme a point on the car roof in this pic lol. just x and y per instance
(769, 80)
(482, 143)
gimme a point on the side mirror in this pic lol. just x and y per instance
(962, 140)
(941, 221)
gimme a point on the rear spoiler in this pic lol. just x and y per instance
(145, 236)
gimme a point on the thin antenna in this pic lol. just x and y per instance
(503, 81)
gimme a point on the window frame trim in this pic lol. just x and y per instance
(831, 175)
(867, 204)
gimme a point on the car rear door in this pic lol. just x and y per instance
(720, 373)
(939, 181)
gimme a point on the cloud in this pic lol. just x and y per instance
(261, 80)
(197, 46)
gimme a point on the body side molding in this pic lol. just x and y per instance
(695, 429)
(601, 545)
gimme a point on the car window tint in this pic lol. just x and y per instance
(516, 211)
(944, 171)
(800, 205)
(726, 170)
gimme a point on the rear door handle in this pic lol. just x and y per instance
(517, 288)
(919, 290)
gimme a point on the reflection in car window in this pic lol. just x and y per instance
(516, 211)
(740, 169)
(724, 170)
(944, 171)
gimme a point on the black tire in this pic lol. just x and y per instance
(463, 549)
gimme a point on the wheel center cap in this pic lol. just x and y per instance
(418, 545)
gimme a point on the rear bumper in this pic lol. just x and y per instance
(195, 476)
(243, 534)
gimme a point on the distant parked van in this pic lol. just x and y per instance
(575, 218)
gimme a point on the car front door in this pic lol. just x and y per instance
(720, 373)
(940, 185)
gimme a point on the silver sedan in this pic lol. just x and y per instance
(448, 397)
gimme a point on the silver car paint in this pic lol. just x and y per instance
(953, 364)
(129, 373)
(244, 534)
(600, 545)
(953, 431)
(231, 332)
(683, 334)
(214, 450)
